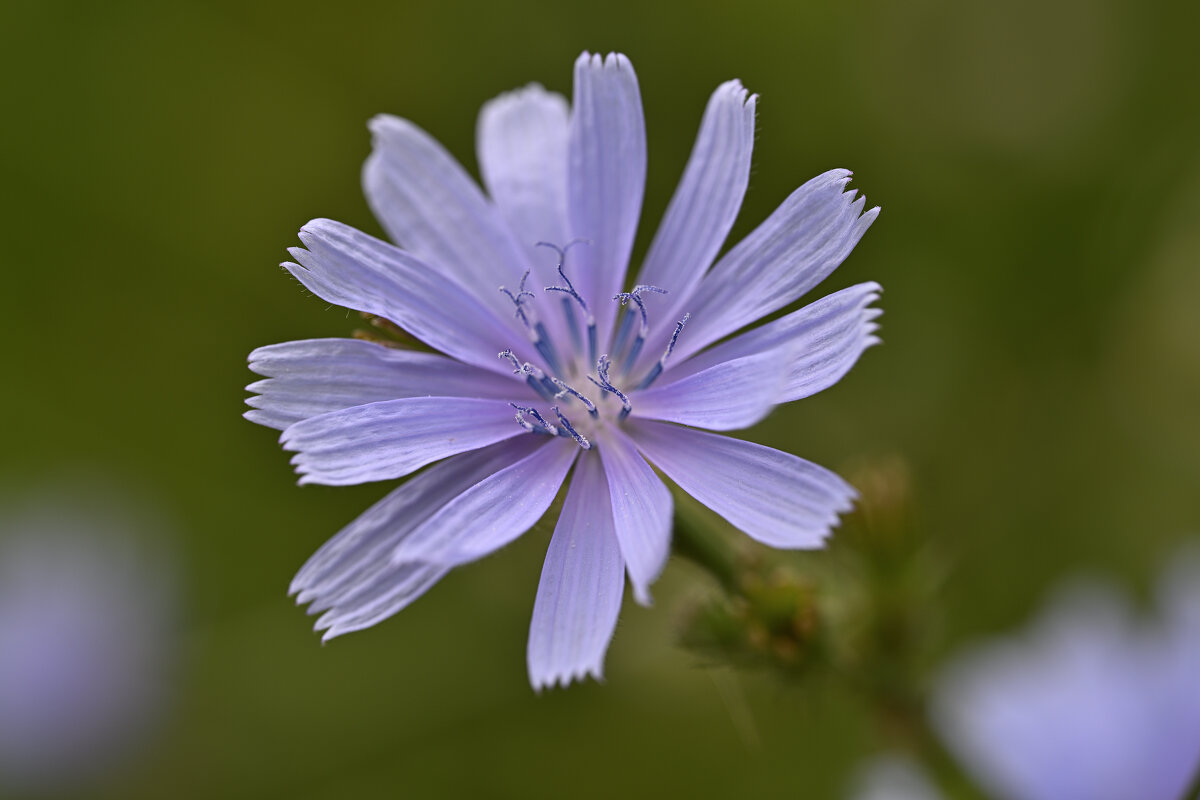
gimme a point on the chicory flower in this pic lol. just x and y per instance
(545, 364)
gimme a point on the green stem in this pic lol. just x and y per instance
(706, 549)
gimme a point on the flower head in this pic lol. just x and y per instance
(546, 364)
(1088, 703)
(86, 641)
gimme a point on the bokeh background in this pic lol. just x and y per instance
(1039, 172)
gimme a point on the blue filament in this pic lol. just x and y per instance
(572, 325)
(657, 369)
(538, 381)
(580, 439)
(623, 331)
(544, 346)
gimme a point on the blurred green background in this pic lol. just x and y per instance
(1038, 169)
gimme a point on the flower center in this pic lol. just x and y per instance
(560, 386)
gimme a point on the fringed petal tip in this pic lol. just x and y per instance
(563, 679)
(611, 60)
(737, 92)
(641, 592)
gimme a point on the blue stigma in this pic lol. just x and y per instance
(565, 391)
(579, 438)
(533, 412)
(517, 368)
(602, 366)
(627, 322)
(519, 298)
(562, 257)
(536, 379)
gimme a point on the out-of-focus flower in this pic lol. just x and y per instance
(604, 390)
(85, 638)
(1089, 704)
(892, 778)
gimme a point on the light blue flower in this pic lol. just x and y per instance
(86, 641)
(892, 777)
(545, 363)
(1087, 705)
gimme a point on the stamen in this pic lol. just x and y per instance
(538, 381)
(602, 366)
(572, 325)
(570, 429)
(567, 391)
(562, 256)
(519, 298)
(533, 412)
(675, 336)
(634, 297)
(623, 332)
(657, 369)
(544, 346)
(569, 290)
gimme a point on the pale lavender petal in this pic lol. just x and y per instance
(314, 376)
(606, 178)
(430, 206)
(521, 138)
(824, 338)
(494, 511)
(774, 497)
(641, 508)
(347, 267)
(728, 396)
(583, 579)
(707, 200)
(393, 438)
(806, 238)
(352, 577)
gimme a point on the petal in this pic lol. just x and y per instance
(728, 396)
(606, 178)
(824, 338)
(387, 591)
(583, 579)
(706, 203)
(314, 376)
(431, 207)
(393, 438)
(772, 496)
(521, 139)
(351, 575)
(806, 238)
(494, 511)
(347, 267)
(641, 509)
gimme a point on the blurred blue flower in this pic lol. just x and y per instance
(1087, 705)
(559, 366)
(86, 644)
(892, 777)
